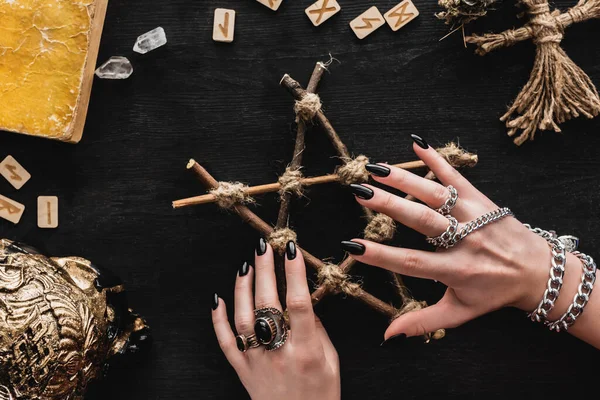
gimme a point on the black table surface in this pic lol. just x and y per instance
(222, 105)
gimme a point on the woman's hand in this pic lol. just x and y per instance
(306, 366)
(502, 264)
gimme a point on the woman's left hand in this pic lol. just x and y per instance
(306, 366)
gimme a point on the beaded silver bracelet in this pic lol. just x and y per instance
(588, 278)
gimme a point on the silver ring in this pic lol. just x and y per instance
(450, 201)
(244, 342)
(270, 328)
(445, 239)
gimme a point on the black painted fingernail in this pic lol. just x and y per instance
(290, 250)
(244, 269)
(378, 170)
(261, 248)
(420, 141)
(362, 192)
(353, 248)
(394, 340)
(215, 301)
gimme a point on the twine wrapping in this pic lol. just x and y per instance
(457, 156)
(280, 238)
(331, 277)
(353, 171)
(558, 89)
(409, 304)
(291, 182)
(228, 194)
(308, 107)
(380, 229)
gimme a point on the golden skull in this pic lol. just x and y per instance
(61, 320)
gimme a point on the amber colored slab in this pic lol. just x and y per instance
(48, 51)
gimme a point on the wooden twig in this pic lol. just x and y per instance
(265, 229)
(274, 187)
(299, 93)
(296, 90)
(349, 262)
(295, 164)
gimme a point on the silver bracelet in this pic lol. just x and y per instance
(557, 272)
(588, 278)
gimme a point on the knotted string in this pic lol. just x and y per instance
(457, 156)
(409, 304)
(381, 228)
(291, 182)
(307, 107)
(336, 281)
(280, 238)
(228, 194)
(353, 171)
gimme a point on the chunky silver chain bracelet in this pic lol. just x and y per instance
(588, 278)
(557, 272)
(560, 246)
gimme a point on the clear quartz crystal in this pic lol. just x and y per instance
(150, 41)
(115, 68)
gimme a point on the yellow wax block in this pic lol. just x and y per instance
(48, 51)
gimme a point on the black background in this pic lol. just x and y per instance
(221, 104)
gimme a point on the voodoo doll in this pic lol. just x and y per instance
(558, 89)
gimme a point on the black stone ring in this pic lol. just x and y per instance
(244, 342)
(270, 327)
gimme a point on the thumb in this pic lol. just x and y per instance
(428, 320)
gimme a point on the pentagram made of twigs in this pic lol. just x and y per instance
(332, 279)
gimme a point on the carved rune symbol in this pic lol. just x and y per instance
(321, 11)
(4, 205)
(13, 171)
(402, 15)
(49, 210)
(368, 24)
(225, 26)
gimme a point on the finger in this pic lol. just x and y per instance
(429, 192)
(299, 304)
(445, 314)
(416, 263)
(244, 301)
(414, 215)
(328, 347)
(225, 335)
(438, 164)
(266, 283)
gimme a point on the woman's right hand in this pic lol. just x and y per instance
(502, 264)
(306, 366)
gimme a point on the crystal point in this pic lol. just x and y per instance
(150, 41)
(115, 68)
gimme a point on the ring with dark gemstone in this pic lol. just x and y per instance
(244, 342)
(265, 330)
(270, 328)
